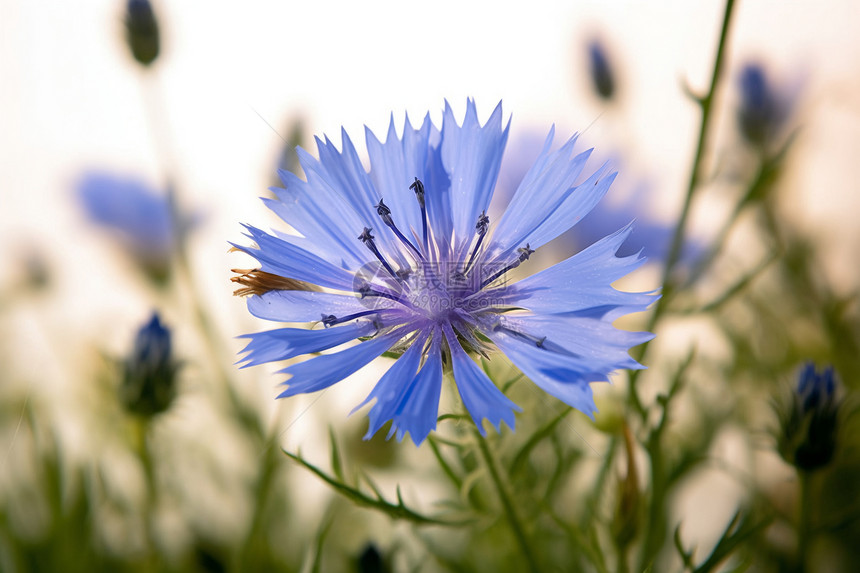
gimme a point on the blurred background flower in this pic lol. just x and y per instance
(141, 219)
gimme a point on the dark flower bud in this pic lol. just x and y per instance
(371, 561)
(763, 109)
(809, 426)
(141, 31)
(149, 381)
(601, 72)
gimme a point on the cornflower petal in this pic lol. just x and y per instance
(323, 371)
(302, 306)
(480, 396)
(285, 343)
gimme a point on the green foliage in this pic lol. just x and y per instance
(375, 501)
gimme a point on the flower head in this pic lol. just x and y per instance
(412, 264)
(142, 218)
(809, 422)
(149, 382)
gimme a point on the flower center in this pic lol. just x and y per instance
(439, 286)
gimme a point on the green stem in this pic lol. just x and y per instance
(623, 566)
(507, 504)
(677, 244)
(254, 539)
(804, 522)
(155, 111)
(141, 438)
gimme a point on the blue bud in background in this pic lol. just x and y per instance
(602, 77)
(763, 109)
(815, 389)
(810, 420)
(371, 561)
(149, 381)
(141, 31)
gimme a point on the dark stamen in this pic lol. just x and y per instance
(383, 211)
(367, 239)
(418, 187)
(525, 253)
(330, 319)
(480, 228)
(539, 342)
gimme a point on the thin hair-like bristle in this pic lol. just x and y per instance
(256, 281)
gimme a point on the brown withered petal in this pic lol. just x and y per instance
(256, 281)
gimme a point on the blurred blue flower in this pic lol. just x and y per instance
(139, 216)
(764, 107)
(809, 422)
(648, 235)
(149, 382)
(602, 76)
(417, 269)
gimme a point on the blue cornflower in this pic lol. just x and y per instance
(412, 264)
(142, 218)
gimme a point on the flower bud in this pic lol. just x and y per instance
(141, 31)
(371, 560)
(149, 381)
(809, 426)
(763, 109)
(602, 77)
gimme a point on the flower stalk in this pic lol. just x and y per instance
(675, 248)
(508, 505)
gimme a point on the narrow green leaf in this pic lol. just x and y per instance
(451, 416)
(336, 465)
(522, 455)
(737, 531)
(739, 286)
(379, 504)
(316, 564)
(686, 556)
(446, 467)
